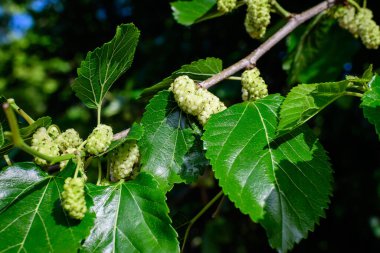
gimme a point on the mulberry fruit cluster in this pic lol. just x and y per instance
(195, 100)
(99, 140)
(122, 160)
(43, 143)
(257, 18)
(73, 198)
(360, 24)
(68, 139)
(226, 5)
(253, 85)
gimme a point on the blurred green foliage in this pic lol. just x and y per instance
(38, 67)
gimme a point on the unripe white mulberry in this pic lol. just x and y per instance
(73, 198)
(195, 100)
(226, 5)
(360, 24)
(99, 140)
(257, 18)
(44, 144)
(53, 131)
(253, 85)
(68, 139)
(346, 17)
(369, 31)
(122, 160)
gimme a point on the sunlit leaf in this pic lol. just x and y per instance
(306, 100)
(131, 217)
(371, 104)
(167, 144)
(284, 184)
(103, 66)
(33, 219)
(188, 12)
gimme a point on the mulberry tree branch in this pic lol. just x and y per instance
(295, 21)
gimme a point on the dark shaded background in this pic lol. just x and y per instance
(43, 42)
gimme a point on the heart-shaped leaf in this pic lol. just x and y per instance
(105, 65)
(131, 217)
(168, 141)
(284, 183)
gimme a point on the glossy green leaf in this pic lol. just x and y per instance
(34, 220)
(17, 180)
(198, 70)
(188, 12)
(371, 104)
(284, 184)
(306, 100)
(167, 141)
(131, 217)
(318, 51)
(105, 65)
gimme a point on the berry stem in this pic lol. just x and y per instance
(252, 58)
(235, 78)
(99, 114)
(7, 160)
(19, 142)
(20, 111)
(355, 4)
(99, 172)
(196, 217)
(354, 94)
(280, 10)
(365, 4)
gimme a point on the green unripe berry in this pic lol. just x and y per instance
(99, 140)
(43, 143)
(195, 100)
(122, 161)
(253, 85)
(346, 17)
(257, 18)
(369, 31)
(226, 5)
(360, 24)
(73, 198)
(53, 131)
(68, 139)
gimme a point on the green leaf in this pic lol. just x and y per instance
(29, 130)
(306, 100)
(284, 184)
(317, 52)
(17, 180)
(198, 70)
(34, 220)
(167, 142)
(134, 134)
(131, 217)
(371, 103)
(188, 12)
(105, 65)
